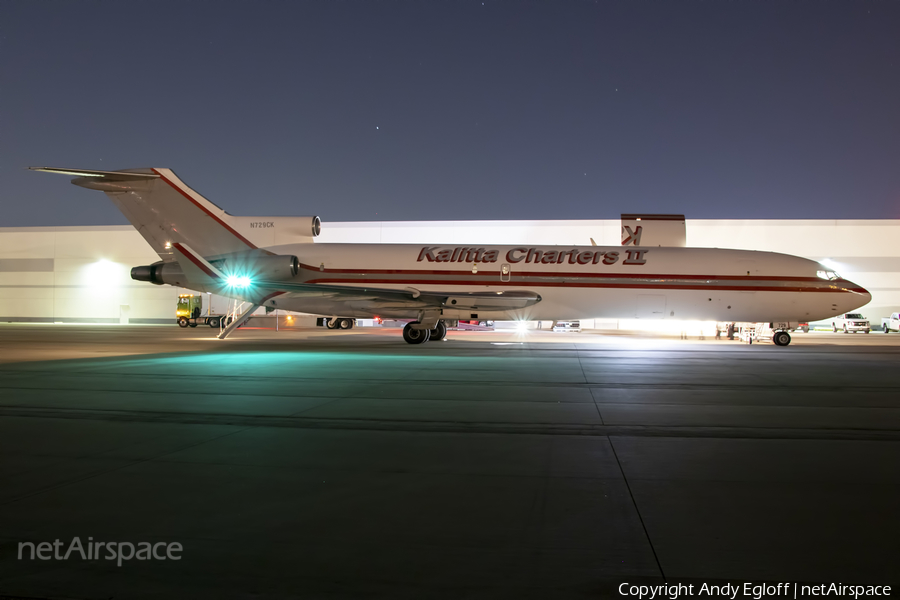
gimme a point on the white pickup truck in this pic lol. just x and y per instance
(890, 324)
(851, 323)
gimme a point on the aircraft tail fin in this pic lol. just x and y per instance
(164, 210)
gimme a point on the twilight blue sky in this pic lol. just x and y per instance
(409, 110)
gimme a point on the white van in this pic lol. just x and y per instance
(573, 326)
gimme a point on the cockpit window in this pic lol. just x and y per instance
(829, 275)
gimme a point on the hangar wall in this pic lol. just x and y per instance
(78, 274)
(81, 274)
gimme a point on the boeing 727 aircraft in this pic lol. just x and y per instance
(201, 248)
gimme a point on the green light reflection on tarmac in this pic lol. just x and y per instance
(228, 363)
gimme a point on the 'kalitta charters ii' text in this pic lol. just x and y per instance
(531, 255)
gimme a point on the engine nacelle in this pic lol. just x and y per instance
(160, 273)
(238, 271)
(266, 232)
(281, 267)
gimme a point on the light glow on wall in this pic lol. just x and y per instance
(104, 275)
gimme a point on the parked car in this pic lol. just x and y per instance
(573, 326)
(851, 323)
(891, 323)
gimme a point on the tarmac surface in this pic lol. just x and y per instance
(327, 464)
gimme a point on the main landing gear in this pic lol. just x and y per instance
(438, 333)
(339, 323)
(415, 336)
(420, 336)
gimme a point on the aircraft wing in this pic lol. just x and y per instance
(372, 298)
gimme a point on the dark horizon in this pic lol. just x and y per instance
(458, 111)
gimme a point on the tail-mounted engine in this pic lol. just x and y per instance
(159, 273)
(239, 271)
(281, 267)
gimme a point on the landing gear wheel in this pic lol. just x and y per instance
(345, 324)
(415, 336)
(438, 333)
(331, 323)
(182, 322)
(214, 322)
(782, 338)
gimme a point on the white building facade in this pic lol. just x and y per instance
(82, 274)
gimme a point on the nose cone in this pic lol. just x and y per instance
(859, 297)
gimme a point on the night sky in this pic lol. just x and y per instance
(361, 111)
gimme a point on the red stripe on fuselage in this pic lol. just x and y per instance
(204, 209)
(520, 273)
(585, 284)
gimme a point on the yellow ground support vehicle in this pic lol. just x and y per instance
(189, 312)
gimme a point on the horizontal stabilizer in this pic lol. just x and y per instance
(163, 209)
(107, 175)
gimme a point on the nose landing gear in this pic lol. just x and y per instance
(781, 338)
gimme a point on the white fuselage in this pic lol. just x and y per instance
(576, 281)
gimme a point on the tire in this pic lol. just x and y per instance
(845, 329)
(834, 327)
(867, 331)
(192, 324)
(781, 338)
(438, 333)
(415, 336)
(214, 322)
(345, 324)
(331, 323)
(182, 322)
